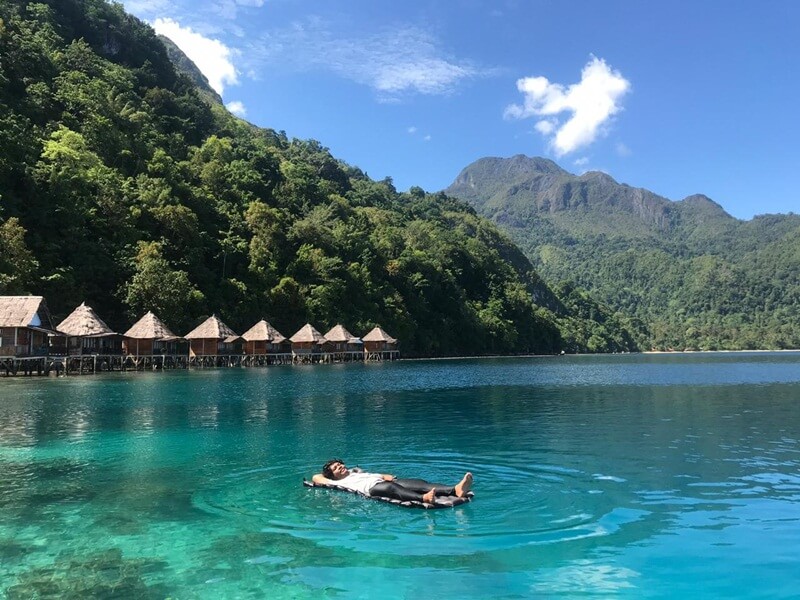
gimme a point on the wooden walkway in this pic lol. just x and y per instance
(155, 362)
(32, 365)
(101, 363)
(380, 356)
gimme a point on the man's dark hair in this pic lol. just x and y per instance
(326, 468)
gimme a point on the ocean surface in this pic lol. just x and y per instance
(629, 476)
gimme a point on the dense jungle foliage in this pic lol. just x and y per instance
(693, 276)
(124, 185)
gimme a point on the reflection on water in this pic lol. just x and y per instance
(626, 475)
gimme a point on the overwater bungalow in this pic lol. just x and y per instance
(87, 334)
(379, 345)
(25, 326)
(307, 344)
(343, 345)
(150, 343)
(264, 344)
(212, 338)
(149, 335)
(26, 333)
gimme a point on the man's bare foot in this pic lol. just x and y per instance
(429, 497)
(464, 486)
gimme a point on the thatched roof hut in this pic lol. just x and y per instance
(307, 333)
(149, 335)
(378, 341)
(263, 332)
(84, 322)
(212, 336)
(307, 339)
(262, 338)
(25, 311)
(379, 335)
(342, 340)
(210, 329)
(25, 324)
(150, 327)
(88, 333)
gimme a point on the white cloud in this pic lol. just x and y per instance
(581, 162)
(237, 108)
(592, 102)
(392, 62)
(427, 138)
(412, 130)
(426, 75)
(212, 57)
(623, 150)
(546, 127)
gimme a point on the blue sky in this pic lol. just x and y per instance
(678, 97)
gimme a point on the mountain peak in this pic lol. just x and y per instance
(699, 199)
(700, 203)
(533, 164)
(518, 187)
(600, 176)
(517, 172)
(515, 167)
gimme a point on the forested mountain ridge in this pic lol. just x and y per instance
(124, 185)
(695, 276)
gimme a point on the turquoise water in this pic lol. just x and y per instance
(625, 476)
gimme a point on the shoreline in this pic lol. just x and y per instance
(713, 351)
(418, 358)
(415, 359)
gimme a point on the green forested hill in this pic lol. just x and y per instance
(694, 276)
(124, 185)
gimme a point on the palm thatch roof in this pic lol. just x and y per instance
(84, 322)
(308, 334)
(340, 334)
(25, 311)
(150, 327)
(379, 335)
(211, 328)
(263, 332)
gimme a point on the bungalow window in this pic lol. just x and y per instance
(7, 336)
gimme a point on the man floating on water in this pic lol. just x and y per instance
(379, 485)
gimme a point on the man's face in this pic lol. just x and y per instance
(339, 470)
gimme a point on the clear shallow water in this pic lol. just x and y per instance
(626, 476)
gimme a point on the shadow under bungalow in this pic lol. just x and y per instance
(30, 343)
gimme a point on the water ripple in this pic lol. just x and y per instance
(517, 504)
